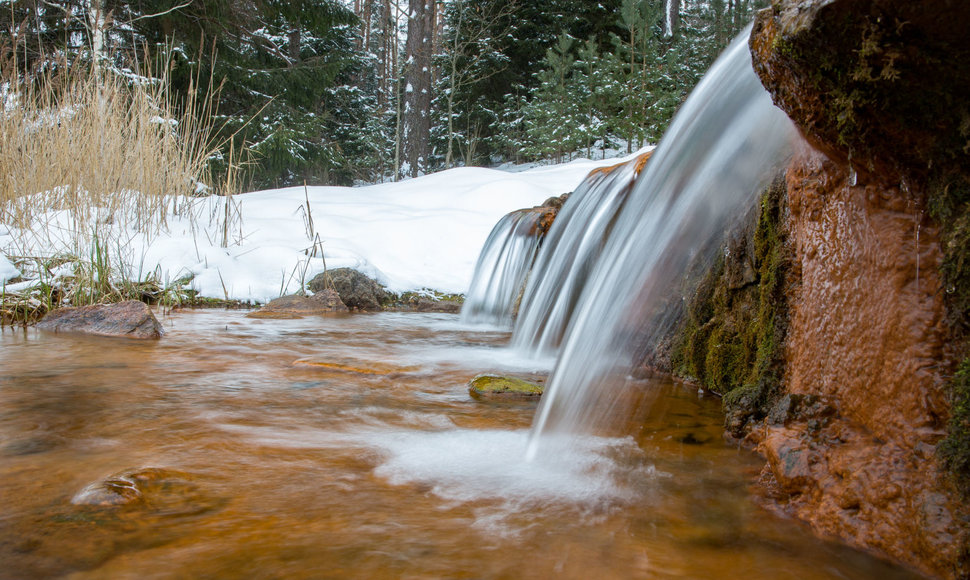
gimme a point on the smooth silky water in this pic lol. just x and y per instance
(568, 255)
(502, 269)
(365, 459)
(722, 148)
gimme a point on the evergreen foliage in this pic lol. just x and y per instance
(316, 87)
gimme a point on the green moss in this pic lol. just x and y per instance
(888, 94)
(489, 386)
(730, 340)
(955, 449)
(949, 204)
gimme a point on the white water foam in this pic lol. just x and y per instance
(485, 468)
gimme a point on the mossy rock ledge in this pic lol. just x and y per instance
(882, 89)
(489, 386)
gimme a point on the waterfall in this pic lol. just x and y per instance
(503, 267)
(571, 249)
(718, 154)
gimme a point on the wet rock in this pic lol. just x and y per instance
(882, 88)
(155, 489)
(426, 300)
(130, 319)
(884, 84)
(556, 201)
(794, 407)
(429, 305)
(739, 266)
(293, 306)
(356, 290)
(742, 411)
(873, 494)
(789, 459)
(496, 386)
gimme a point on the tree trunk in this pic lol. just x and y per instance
(96, 23)
(416, 131)
(671, 17)
(295, 41)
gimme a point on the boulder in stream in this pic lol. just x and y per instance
(356, 290)
(295, 306)
(490, 386)
(129, 319)
(155, 490)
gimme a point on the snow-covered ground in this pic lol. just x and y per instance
(420, 233)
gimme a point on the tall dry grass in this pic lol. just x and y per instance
(91, 158)
(95, 142)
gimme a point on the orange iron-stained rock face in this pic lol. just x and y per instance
(882, 89)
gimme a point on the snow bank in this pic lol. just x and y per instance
(425, 232)
(7, 270)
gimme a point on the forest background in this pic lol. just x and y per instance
(342, 92)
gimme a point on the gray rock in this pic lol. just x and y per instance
(356, 290)
(129, 319)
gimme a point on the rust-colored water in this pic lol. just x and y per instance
(231, 461)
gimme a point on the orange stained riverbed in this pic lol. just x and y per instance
(348, 447)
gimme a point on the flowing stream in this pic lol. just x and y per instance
(349, 447)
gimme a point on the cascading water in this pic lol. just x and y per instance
(502, 268)
(720, 151)
(571, 249)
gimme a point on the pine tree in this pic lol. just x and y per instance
(416, 119)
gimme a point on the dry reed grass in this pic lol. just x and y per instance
(94, 159)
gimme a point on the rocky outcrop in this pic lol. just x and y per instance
(130, 319)
(867, 335)
(882, 86)
(878, 304)
(294, 306)
(868, 328)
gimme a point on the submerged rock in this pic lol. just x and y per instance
(356, 290)
(360, 367)
(155, 485)
(147, 493)
(323, 302)
(496, 386)
(129, 319)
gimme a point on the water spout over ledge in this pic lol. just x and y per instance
(721, 149)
